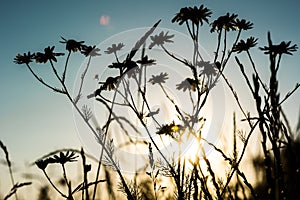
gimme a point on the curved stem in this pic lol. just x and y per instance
(42, 82)
(65, 177)
(52, 184)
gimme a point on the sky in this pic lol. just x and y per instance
(35, 121)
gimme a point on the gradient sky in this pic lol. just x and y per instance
(35, 121)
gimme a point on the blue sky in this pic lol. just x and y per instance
(34, 120)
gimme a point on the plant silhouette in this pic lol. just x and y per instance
(127, 87)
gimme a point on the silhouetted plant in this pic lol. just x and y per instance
(15, 186)
(191, 179)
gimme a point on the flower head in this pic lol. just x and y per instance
(169, 129)
(72, 45)
(160, 39)
(114, 48)
(245, 46)
(90, 51)
(282, 48)
(24, 59)
(110, 83)
(208, 69)
(42, 164)
(188, 83)
(226, 22)
(243, 24)
(64, 158)
(47, 55)
(145, 61)
(159, 79)
(196, 15)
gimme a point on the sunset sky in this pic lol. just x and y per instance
(35, 121)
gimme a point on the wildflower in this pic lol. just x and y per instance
(64, 158)
(90, 51)
(245, 46)
(169, 129)
(129, 65)
(209, 69)
(188, 83)
(196, 15)
(160, 39)
(24, 59)
(282, 48)
(72, 45)
(182, 16)
(47, 55)
(226, 22)
(146, 61)
(243, 24)
(159, 79)
(114, 48)
(110, 83)
(42, 164)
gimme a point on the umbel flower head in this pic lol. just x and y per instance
(24, 59)
(196, 15)
(72, 45)
(245, 46)
(47, 55)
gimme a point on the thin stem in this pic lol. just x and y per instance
(234, 44)
(225, 46)
(82, 80)
(218, 45)
(102, 150)
(240, 158)
(42, 82)
(236, 98)
(65, 69)
(94, 133)
(52, 184)
(66, 179)
(256, 73)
